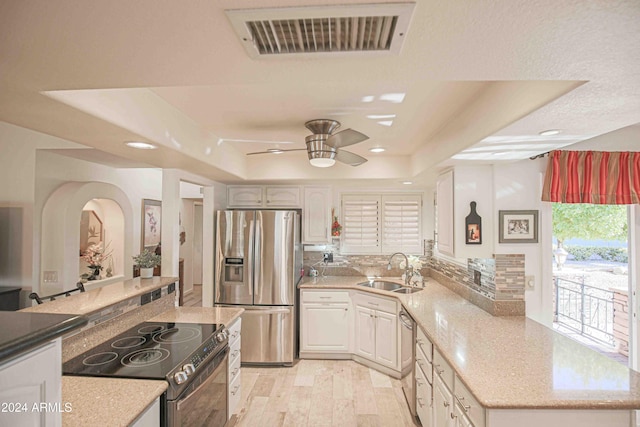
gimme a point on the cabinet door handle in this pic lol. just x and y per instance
(438, 371)
(418, 382)
(446, 404)
(235, 390)
(460, 401)
(420, 402)
(453, 417)
(235, 353)
(234, 372)
(346, 309)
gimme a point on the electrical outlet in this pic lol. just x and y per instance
(477, 276)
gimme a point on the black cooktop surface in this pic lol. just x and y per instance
(149, 350)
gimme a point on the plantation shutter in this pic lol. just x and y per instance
(361, 224)
(401, 224)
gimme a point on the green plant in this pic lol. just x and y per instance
(147, 259)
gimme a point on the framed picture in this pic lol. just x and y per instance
(91, 231)
(518, 227)
(151, 221)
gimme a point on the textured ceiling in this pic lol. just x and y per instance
(475, 81)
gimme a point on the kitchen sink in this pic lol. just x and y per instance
(389, 286)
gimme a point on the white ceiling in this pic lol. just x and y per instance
(480, 80)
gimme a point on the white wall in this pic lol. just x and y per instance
(518, 187)
(17, 191)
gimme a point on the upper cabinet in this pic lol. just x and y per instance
(444, 216)
(455, 190)
(256, 196)
(316, 223)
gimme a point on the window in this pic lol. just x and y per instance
(375, 223)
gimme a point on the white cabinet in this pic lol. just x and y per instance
(282, 197)
(376, 329)
(31, 379)
(316, 212)
(244, 196)
(325, 322)
(442, 403)
(255, 196)
(424, 378)
(444, 211)
(150, 417)
(234, 375)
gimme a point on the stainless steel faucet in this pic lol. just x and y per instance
(408, 269)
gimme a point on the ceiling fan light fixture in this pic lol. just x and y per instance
(322, 162)
(140, 145)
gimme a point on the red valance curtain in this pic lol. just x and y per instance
(598, 177)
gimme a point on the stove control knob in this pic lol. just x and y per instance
(180, 377)
(221, 337)
(188, 369)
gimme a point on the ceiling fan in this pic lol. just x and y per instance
(325, 147)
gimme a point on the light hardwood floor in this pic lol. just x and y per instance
(316, 393)
(321, 393)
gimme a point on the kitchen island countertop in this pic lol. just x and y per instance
(94, 300)
(224, 315)
(509, 362)
(95, 401)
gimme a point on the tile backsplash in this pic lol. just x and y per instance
(495, 284)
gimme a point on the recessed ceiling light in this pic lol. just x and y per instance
(368, 98)
(381, 116)
(550, 132)
(140, 145)
(407, 182)
(385, 122)
(376, 149)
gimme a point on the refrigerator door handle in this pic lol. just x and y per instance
(257, 255)
(249, 265)
(266, 311)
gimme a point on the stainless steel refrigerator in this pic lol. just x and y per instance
(258, 259)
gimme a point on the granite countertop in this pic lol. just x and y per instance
(23, 331)
(102, 401)
(224, 315)
(88, 302)
(510, 362)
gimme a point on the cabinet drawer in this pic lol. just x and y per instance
(424, 344)
(234, 331)
(325, 296)
(424, 364)
(235, 393)
(424, 398)
(441, 367)
(468, 403)
(376, 303)
(234, 350)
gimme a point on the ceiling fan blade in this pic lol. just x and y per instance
(345, 138)
(276, 151)
(349, 158)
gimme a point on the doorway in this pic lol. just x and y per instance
(591, 276)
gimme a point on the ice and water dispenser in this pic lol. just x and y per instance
(234, 270)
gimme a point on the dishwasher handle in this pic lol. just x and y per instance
(405, 319)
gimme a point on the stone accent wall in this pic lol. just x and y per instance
(621, 321)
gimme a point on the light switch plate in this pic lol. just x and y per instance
(529, 282)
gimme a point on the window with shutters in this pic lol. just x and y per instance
(381, 223)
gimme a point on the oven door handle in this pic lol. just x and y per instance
(266, 311)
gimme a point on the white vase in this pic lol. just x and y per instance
(146, 273)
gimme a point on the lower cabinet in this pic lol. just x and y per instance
(325, 322)
(33, 378)
(376, 329)
(442, 403)
(234, 374)
(150, 417)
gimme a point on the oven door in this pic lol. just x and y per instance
(204, 401)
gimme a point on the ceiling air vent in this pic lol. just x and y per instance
(370, 28)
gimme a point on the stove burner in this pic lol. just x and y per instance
(177, 335)
(151, 329)
(145, 357)
(128, 342)
(100, 358)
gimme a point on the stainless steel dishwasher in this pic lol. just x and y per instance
(407, 356)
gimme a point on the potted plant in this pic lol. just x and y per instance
(147, 261)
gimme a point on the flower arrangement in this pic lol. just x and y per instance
(95, 255)
(336, 228)
(147, 259)
(414, 262)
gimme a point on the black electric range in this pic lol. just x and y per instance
(174, 352)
